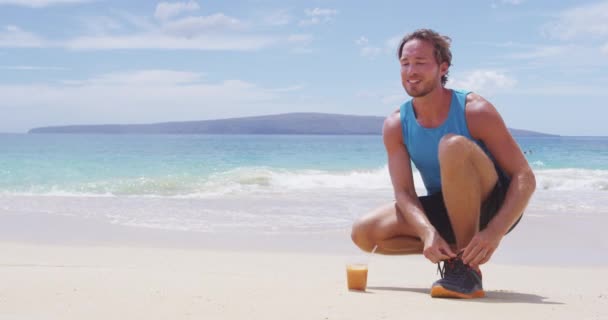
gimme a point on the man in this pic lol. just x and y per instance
(477, 179)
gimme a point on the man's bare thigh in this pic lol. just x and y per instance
(382, 225)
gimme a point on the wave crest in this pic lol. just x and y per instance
(272, 180)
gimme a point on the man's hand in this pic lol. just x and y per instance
(436, 249)
(481, 247)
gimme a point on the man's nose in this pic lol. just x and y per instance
(410, 70)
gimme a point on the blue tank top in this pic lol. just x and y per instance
(423, 143)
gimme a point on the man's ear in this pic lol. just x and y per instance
(443, 68)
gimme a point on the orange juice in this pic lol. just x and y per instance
(356, 276)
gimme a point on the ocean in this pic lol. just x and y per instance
(252, 183)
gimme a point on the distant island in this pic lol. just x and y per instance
(289, 123)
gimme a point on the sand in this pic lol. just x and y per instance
(68, 268)
(91, 282)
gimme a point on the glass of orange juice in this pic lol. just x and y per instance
(356, 276)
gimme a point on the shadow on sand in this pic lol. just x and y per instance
(497, 296)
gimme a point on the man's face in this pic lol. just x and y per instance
(420, 73)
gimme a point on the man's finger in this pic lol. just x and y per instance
(437, 255)
(484, 260)
(447, 251)
(468, 248)
(487, 257)
(473, 252)
(442, 256)
(478, 258)
(430, 256)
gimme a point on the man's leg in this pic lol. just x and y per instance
(468, 177)
(386, 228)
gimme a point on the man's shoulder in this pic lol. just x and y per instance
(393, 120)
(392, 124)
(476, 103)
(481, 115)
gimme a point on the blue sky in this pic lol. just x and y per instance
(544, 64)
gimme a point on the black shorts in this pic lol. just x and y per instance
(435, 210)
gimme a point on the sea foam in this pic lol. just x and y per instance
(261, 180)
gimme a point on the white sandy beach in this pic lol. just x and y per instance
(126, 273)
(58, 282)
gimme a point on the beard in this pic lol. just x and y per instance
(420, 89)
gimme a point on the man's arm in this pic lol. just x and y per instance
(486, 124)
(400, 169)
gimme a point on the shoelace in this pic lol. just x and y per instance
(453, 265)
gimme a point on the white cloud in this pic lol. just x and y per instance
(32, 68)
(14, 37)
(302, 39)
(540, 52)
(40, 3)
(484, 82)
(604, 49)
(277, 18)
(213, 32)
(139, 23)
(300, 43)
(362, 41)
(565, 89)
(190, 26)
(495, 5)
(289, 89)
(155, 41)
(167, 10)
(317, 16)
(101, 24)
(394, 99)
(146, 96)
(372, 51)
(135, 97)
(144, 77)
(583, 21)
(568, 58)
(366, 49)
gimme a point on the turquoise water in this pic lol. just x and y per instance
(268, 184)
(170, 165)
(566, 152)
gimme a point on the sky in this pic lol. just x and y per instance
(542, 63)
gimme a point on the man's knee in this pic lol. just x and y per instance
(452, 145)
(361, 235)
(453, 151)
(456, 152)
